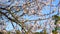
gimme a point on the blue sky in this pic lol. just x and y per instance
(32, 17)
